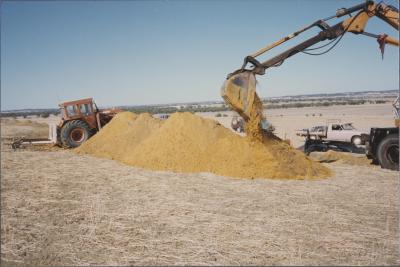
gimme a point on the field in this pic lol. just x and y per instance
(287, 121)
(59, 208)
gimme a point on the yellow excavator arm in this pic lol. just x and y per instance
(239, 90)
(387, 13)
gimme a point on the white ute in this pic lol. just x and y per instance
(342, 132)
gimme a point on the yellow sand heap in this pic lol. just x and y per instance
(189, 143)
(124, 132)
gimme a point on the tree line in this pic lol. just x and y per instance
(201, 108)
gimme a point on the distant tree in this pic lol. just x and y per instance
(45, 115)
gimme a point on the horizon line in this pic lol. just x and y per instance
(217, 101)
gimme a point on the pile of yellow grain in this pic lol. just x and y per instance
(189, 143)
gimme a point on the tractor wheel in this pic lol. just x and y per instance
(388, 152)
(74, 133)
(356, 140)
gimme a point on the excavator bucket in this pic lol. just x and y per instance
(239, 91)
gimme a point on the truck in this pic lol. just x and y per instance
(237, 124)
(382, 144)
(335, 131)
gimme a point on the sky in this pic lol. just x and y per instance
(158, 52)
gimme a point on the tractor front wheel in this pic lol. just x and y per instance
(74, 133)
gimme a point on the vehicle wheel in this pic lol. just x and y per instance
(388, 152)
(356, 140)
(74, 133)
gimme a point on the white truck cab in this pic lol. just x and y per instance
(344, 132)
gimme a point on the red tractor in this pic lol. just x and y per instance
(80, 120)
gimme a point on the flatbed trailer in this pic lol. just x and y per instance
(320, 145)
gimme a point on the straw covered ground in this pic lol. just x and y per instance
(62, 208)
(14, 128)
(59, 208)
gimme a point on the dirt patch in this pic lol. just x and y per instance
(15, 128)
(189, 143)
(346, 158)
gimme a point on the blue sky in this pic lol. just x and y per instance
(150, 52)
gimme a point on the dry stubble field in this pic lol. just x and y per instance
(59, 208)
